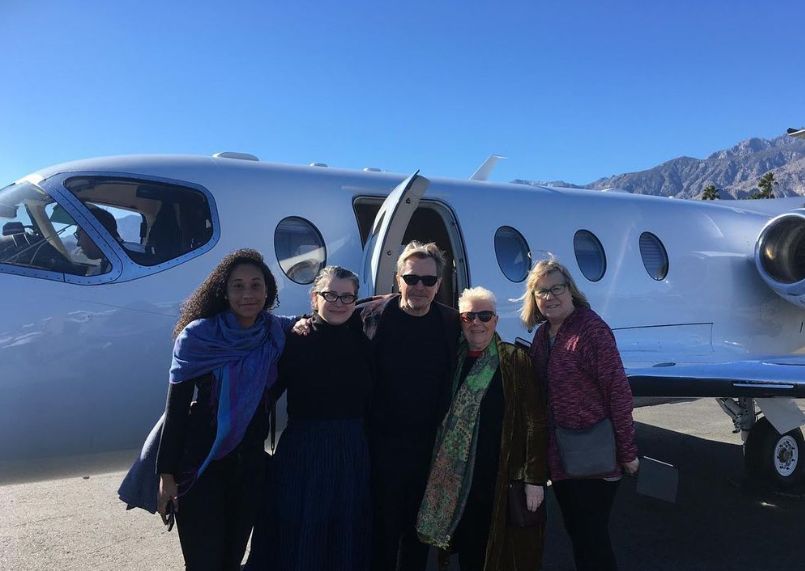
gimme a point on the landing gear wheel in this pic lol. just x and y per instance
(772, 457)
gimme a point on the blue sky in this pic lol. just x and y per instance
(565, 89)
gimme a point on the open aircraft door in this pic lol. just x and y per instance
(382, 245)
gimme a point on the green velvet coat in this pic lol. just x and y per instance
(523, 457)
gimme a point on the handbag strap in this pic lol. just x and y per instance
(548, 349)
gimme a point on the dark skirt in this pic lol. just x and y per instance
(317, 512)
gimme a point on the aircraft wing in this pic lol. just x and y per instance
(769, 377)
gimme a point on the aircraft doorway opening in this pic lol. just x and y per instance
(431, 222)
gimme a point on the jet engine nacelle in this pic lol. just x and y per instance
(780, 255)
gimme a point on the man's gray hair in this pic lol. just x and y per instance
(416, 249)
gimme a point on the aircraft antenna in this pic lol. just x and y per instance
(234, 155)
(485, 169)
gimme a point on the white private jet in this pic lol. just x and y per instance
(706, 299)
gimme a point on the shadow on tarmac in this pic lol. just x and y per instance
(719, 521)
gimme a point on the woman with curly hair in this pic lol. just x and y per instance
(210, 460)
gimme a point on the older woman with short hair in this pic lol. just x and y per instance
(575, 354)
(493, 436)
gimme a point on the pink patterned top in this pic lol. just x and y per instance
(586, 383)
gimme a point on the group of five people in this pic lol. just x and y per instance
(409, 423)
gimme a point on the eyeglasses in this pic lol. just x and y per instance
(332, 297)
(484, 316)
(556, 291)
(413, 279)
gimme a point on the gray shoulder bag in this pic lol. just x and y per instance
(588, 451)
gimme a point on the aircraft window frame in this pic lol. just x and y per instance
(201, 229)
(297, 271)
(588, 250)
(656, 258)
(31, 245)
(169, 237)
(507, 249)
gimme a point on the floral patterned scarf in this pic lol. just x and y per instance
(454, 453)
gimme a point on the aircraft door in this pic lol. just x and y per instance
(388, 228)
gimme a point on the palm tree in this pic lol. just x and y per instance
(765, 187)
(710, 192)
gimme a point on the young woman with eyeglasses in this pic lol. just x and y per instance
(574, 353)
(317, 516)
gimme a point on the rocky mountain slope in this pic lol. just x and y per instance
(735, 172)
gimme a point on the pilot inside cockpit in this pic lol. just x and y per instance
(87, 251)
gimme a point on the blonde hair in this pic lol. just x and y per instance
(530, 314)
(416, 249)
(477, 294)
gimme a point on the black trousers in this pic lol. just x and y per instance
(216, 516)
(586, 505)
(399, 472)
(472, 535)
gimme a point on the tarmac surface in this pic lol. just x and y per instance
(719, 522)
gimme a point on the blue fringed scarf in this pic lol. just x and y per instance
(243, 363)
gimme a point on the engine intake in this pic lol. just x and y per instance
(780, 255)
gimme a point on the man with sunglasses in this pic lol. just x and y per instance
(414, 342)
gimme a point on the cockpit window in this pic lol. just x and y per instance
(153, 222)
(39, 234)
(150, 222)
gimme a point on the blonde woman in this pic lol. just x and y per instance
(574, 353)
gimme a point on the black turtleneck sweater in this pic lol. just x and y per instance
(327, 373)
(413, 366)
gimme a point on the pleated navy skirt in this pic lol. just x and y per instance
(317, 513)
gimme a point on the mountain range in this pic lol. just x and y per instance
(735, 172)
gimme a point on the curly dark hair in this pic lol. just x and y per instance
(210, 297)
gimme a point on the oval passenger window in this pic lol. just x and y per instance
(590, 255)
(300, 249)
(655, 258)
(513, 253)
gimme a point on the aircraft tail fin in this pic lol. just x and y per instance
(485, 169)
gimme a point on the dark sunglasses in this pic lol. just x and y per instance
(484, 316)
(413, 279)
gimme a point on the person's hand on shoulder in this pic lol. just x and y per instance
(303, 326)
